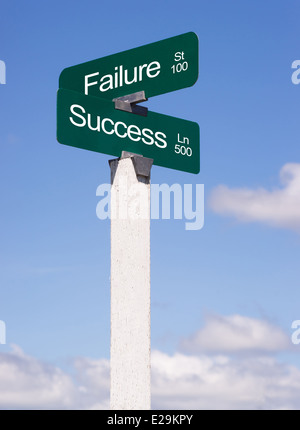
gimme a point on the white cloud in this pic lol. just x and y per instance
(94, 379)
(26, 382)
(201, 382)
(279, 207)
(236, 333)
(180, 381)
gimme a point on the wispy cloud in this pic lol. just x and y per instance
(9, 139)
(279, 207)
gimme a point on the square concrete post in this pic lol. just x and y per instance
(130, 283)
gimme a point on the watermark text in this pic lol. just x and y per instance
(2, 333)
(2, 72)
(296, 333)
(167, 201)
(296, 74)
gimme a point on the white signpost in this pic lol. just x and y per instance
(107, 91)
(130, 283)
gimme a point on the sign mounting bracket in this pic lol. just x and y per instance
(129, 103)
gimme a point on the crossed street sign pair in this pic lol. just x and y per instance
(97, 103)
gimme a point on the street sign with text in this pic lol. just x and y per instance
(156, 68)
(97, 110)
(93, 123)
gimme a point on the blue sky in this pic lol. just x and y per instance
(55, 252)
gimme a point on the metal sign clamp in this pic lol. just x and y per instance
(129, 103)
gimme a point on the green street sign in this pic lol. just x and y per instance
(93, 123)
(157, 68)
